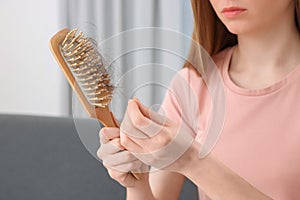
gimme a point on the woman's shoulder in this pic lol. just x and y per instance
(190, 77)
(221, 56)
(186, 76)
(216, 60)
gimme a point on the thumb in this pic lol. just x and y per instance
(144, 109)
(151, 114)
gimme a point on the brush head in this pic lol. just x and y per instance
(88, 68)
(86, 73)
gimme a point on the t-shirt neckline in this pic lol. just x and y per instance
(254, 92)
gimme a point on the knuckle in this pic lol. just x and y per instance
(102, 137)
(100, 154)
(105, 164)
(108, 130)
(103, 131)
(165, 140)
(100, 133)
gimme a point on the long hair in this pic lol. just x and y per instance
(211, 33)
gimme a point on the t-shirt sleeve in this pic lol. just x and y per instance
(186, 100)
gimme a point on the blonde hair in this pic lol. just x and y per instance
(211, 33)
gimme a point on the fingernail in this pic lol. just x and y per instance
(130, 101)
(136, 99)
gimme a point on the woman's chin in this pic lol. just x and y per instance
(237, 30)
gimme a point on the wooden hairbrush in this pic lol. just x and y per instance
(87, 74)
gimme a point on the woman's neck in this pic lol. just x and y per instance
(269, 48)
(266, 56)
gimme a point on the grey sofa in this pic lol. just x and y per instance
(43, 158)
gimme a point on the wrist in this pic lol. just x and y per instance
(189, 160)
(141, 190)
(140, 182)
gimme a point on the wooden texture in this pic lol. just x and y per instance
(104, 115)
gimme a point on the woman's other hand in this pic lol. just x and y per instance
(119, 162)
(155, 139)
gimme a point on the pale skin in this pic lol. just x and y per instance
(266, 28)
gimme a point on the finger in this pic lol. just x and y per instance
(108, 133)
(122, 177)
(129, 129)
(119, 158)
(109, 149)
(130, 144)
(117, 143)
(145, 111)
(137, 145)
(151, 114)
(148, 127)
(103, 139)
(132, 166)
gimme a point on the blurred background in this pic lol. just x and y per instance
(41, 156)
(31, 82)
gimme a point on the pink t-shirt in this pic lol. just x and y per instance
(260, 139)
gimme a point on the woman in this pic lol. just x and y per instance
(255, 44)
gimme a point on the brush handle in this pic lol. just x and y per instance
(106, 117)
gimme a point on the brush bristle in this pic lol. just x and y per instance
(87, 65)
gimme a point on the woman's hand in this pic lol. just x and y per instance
(119, 162)
(155, 139)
